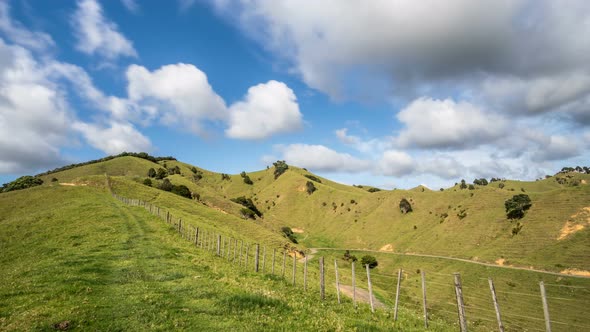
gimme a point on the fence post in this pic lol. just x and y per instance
(353, 286)
(545, 307)
(496, 306)
(228, 255)
(241, 250)
(460, 304)
(423, 275)
(294, 266)
(284, 262)
(305, 274)
(218, 245)
(257, 259)
(397, 288)
(337, 281)
(180, 227)
(196, 236)
(247, 253)
(274, 252)
(370, 289)
(235, 249)
(322, 280)
(264, 260)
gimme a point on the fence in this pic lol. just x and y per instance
(477, 304)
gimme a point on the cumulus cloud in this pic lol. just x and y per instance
(321, 158)
(131, 5)
(267, 109)
(431, 123)
(395, 163)
(34, 116)
(114, 138)
(18, 34)
(98, 35)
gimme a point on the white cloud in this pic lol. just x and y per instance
(556, 148)
(131, 5)
(98, 35)
(34, 116)
(395, 163)
(433, 123)
(17, 33)
(321, 158)
(178, 94)
(268, 109)
(114, 138)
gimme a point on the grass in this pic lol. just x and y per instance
(101, 265)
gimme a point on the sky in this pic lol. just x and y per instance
(387, 93)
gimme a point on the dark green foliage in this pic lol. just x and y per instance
(373, 190)
(151, 173)
(517, 205)
(23, 182)
(161, 173)
(246, 178)
(500, 185)
(182, 190)
(463, 184)
(405, 206)
(194, 170)
(348, 257)
(196, 196)
(54, 180)
(309, 187)
(369, 260)
(280, 168)
(198, 176)
(225, 177)
(174, 170)
(247, 213)
(480, 182)
(247, 202)
(288, 233)
(141, 155)
(166, 185)
(313, 178)
(462, 214)
(471, 187)
(148, 182)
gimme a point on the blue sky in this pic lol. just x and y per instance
(387, 93)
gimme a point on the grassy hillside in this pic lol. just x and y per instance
(75, 256)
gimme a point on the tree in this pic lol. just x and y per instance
(246, 178)
(247, 213)
(288, 233)
(166, 185)
(348, 257)
(151, 173)
(247, 202)
(280, 168)
(161, 173)
(309, 187)
(23, 182)
(194, 170)
(369, 260)
(181, 190)
(147, 182)
(405, 206)
(480, 182)
(463, 184)
(313, 178)
(517, 205)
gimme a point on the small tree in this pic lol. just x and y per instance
(181, 190)
(194, 170)
(463, 184)
(369, 260)
(313, 178)
(405, 206)
(348, 257)
(151, 173)
(280, 168)
(166, 185)
(288, 233)
(309, 187)
(517, 205)
(247, 214)
(161, 173)
(148, 182)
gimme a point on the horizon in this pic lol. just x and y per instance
(480, 91)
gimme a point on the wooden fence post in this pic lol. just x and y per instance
(337, 281)
(180, 227)
(545, 307)
(322, 280)
(423, 275)
(218, 245)
(235, 249)
(460, 303)
(247, 254)
(264, 260)
(274, 252)
(257, 258)
(496, 306)
(370, 289)
(241, 250)
(305, 274)
(294, 266)
(196, 236)
(228, 255)
(397, 288)
(353, 286)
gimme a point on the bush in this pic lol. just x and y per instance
(246, 178)
(500, 185)
(54, 180)
(174, 170)
(309, 187)
(480, 182)
(23, 182)
(280, 168)
(288, 233)
(247, 214)
(463, 184)
(166, 185)
(247, 202)
(369, 260)
(182, 190)
(373, 190)
(348, 257)
(405, 206)
(151, 173)
(161, 173)
(471, 187)
(517, 205)
(194, 170)
(313, 178)
(225, 177)
(147, 182)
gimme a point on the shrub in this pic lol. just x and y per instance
(463, 184)
(23, 182)
(247, 202)
(147, 182)
(194, 170)
(500, 185)
(225, 177)
(182, 190)
(480, 182)
(174, 170)
(161, 173)
(246, 178)
(471, 187)
(309, 187)
(288, 233)
(197, 176)
(280, 168)
(517, 205)
(247, 213)
(54, 180)
(373, 190)
(348, 257)
(369, 260)
(313, 178)
(405, 206)
(151, 173)
(166, 185)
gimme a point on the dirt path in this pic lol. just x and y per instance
(312, 252)
(362, 295)
(457, 259)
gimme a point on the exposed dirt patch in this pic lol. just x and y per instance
(579, 221)
(576, 272)
(387, 247)
(362, 295)
(297, 230)
(583, 181)
(500, 261)
(215, 208)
